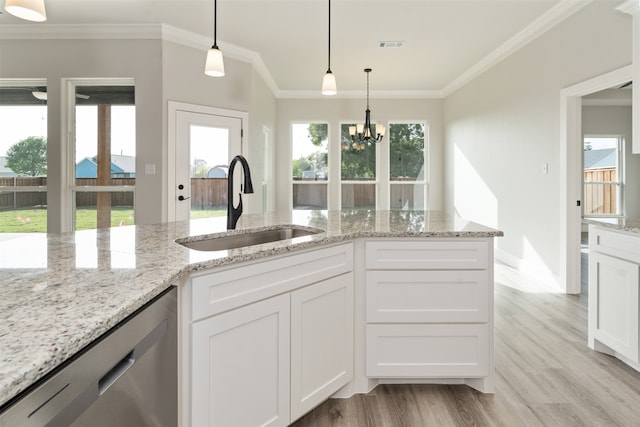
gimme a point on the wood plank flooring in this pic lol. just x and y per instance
(545, 375)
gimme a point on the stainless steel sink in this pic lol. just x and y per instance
(244, 238)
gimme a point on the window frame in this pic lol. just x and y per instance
(327, 181)
(37, 82)
(425, 152)
(70, 85)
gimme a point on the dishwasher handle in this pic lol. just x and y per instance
(116, 372)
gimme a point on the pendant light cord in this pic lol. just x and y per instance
(215, 24)
(329, 50)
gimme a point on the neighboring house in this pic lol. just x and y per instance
(121, 167)
(600, 159)
(4, 170)
(220, 171)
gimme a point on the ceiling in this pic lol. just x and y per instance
(446, 42)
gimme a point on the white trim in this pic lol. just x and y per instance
(629, 6)
(570, 166)
(548, 20)
(360, 94)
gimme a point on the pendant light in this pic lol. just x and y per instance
(329, 80)
(215, 64)
(30, 10)
(363, 133)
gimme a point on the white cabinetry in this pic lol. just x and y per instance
(270, 340)
(238, 363)
(429, 310)
(614, 281)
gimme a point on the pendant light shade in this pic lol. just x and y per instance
(329, 84)
(329, 81)
(214, 66)
(30, 10)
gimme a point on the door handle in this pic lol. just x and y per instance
(181, 198)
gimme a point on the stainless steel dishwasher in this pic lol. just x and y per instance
(126, 378)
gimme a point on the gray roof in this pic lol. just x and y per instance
(603, 158)
(4, 170)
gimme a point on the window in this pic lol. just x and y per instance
(602, 160)
(407, 183)
(310, 167)
(23, 157)
(104, 155)
(358, 172)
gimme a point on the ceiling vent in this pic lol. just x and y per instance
(390, 44)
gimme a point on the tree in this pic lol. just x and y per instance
(28, 157)
(406, 155)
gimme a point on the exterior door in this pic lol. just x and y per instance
(204, 146)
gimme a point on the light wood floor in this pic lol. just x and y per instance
(545, 375)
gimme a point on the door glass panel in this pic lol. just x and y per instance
(209, 160)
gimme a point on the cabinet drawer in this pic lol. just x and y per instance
(447, 351)
(615, 243)
(427, 296)
(421, 254)
(220, 291)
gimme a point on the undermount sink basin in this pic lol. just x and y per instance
(244, 238)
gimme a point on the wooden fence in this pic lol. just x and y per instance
(600, 197)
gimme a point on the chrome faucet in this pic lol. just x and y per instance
(233, 213)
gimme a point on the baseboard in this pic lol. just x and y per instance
(535, 272)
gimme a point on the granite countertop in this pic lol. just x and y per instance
(623, 224)
(60, 292)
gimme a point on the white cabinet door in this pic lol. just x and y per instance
(613, 303)
(321, 342)
(240, 366)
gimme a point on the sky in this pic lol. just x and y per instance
(302, 145)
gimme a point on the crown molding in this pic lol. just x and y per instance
(165, 32)
(629, 6)
(360, 94)
(80, 31)
(544, 23)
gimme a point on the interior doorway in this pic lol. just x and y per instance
(571, 151)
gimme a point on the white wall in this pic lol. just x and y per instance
(616, 120)
(335, 111)
(162, 71)
(503, 127)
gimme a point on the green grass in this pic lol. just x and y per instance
(35, 220)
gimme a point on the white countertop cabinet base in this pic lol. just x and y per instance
(614, 282)
(266, 341)
(429, 311)
(256, 361)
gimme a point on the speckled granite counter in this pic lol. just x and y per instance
(59, 292)
(623, 224)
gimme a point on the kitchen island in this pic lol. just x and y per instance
(60, 292)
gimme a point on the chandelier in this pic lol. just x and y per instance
(363, 134)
